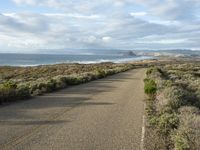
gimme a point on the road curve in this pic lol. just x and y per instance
(101, 115)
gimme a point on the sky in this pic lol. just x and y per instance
(29, 25)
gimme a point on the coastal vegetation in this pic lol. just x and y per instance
(17, 83)
(173, 106)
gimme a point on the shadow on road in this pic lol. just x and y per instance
(36, 111)
(42, 122)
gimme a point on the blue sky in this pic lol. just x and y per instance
(28, 25)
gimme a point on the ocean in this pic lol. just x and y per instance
(45, 59)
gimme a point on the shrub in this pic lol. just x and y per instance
(111, 72)
(48, 78)
(176, 97)
(51, 85)
(36, 92)
(180, 142)
(155, 71)
(174, 112)
(187, 136)
(41, 86)
(60, 85)
(73, 80)
(180, 97)
(189, 110)
(165, 123)
(101, 73)
(150, 71)
(150, 108)
(10, 85)
(8, 91)
(167, 83)
(91, 76)
(22, 92)
(32, 88)
(150, 86)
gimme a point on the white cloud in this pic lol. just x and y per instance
(138, 14)
(28, 2)
(164, 41)
(172, 9)
(106, 38)
(73, 15)
(100, 24)
(83, 16)
(49, 3)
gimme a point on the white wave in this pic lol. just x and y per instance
(121, 60)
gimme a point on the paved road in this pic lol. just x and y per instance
(101, 115)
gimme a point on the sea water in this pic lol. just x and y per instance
(45, 59)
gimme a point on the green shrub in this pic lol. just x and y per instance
(165, 123)
(36, 92)
(10, 85)
(167, 83)
(8, 91)
(150, 86)
(150, 71)
(51, 85)
(181, 142)
(154, 70)
(91, 76)
(41, 86)
(101, 73)
(32, 88)
(60, 85)
(111, 72)
(150, 108)
(73, 80)
(22, 92)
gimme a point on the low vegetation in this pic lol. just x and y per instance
(18, 83)
(150, 87)
(173, 112)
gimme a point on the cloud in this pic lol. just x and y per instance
(48, 3)
(125, 24)
(24, 22)
(135, 14)
(170, 9)
(106, 39)
(57, 30)
(91, 39)
(28, 2)
(181, 10)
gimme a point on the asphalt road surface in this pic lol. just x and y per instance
(101, 115)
